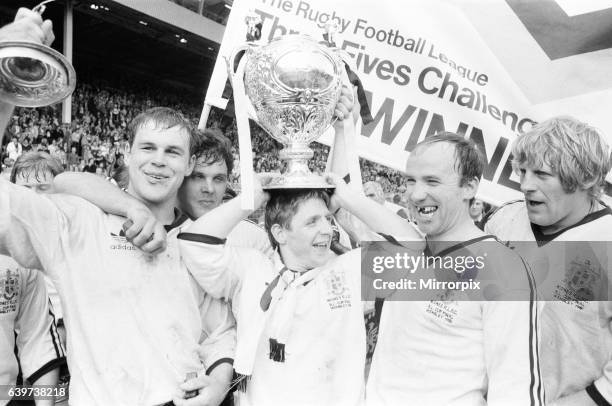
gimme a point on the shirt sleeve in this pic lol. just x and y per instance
(33, 226)
(222, 271)
(603, 384)
(511, 356)
(218, 341)
(23, 214)
(249, 235)
(511, 334)
(212, 265)
(39, 347)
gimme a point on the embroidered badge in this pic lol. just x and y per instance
(338, 292)
(9, 289)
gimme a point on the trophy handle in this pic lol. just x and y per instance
(241, 105)
(232, 62)
(41, 7)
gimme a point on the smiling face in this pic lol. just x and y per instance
(433, 189)
(304, 244)
(548, 204)
(204, 189)
(159, 160)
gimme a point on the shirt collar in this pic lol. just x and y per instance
(179, 218)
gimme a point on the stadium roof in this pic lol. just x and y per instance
(111, 39)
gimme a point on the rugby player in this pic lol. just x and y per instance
(301, 335)
(449, 350)
(204, 189)
(133, 322)
(26, 319)
(35, 171)
(29, 341)
(562, 164)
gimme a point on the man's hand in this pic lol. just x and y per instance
(144, 231)
(211, 392)
(345, 105)
(260, 180)
(28, 26)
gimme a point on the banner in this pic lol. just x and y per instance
(486, 69)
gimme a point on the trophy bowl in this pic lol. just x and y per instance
(294, 84)
(34, 75)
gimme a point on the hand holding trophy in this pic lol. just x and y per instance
(293, 85)
(31, 73)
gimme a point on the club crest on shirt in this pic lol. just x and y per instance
(9, 289)
(581, 279)
(338, 292)
(443, 310)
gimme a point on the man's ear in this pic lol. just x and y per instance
(192, 161)
(279, 234)
(126, 158)
(470, 188)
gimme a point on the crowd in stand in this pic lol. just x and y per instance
(96, 140)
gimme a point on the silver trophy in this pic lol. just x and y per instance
(34, 75)
(293, 84)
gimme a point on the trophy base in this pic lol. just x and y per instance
(310, 181)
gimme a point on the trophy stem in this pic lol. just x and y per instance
(297, 157)
(297, 175)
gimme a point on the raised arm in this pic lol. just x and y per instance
(97, 191)
(218, 268)
(338, 161)
(28, 26)
(369, 212)
(5, 116)
(221, 220)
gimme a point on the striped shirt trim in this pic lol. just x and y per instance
(596, 396)
(536, 391)
(219, 362)
(57, 342)
(48, 367)
(202, 238)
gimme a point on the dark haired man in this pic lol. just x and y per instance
(207, 185)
